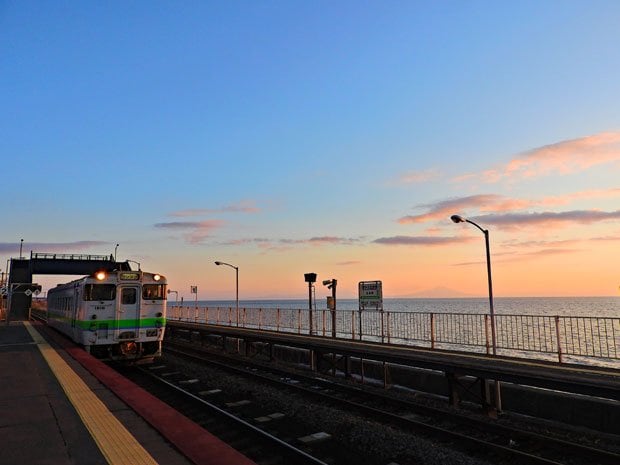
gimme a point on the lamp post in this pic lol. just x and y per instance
(236, 268)
(115, 249)
(176, 296)
(460, 219)
(21, 243)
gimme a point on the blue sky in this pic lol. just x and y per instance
(289, 137)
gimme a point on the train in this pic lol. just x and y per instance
(114, 315)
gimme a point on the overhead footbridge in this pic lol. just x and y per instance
(19, 287)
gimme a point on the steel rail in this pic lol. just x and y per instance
(290, 449)
(519, 436)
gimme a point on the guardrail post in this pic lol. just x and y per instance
(557, 334)
(352, 325)
(278, 320)
(382, 328)
(388, 327)
(486, 334)
(229, 316)
(260, 316)
(360, 316)
(244, 317)
(206, 315)
(298, 321)
(432, 330)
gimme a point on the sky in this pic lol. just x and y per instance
(334, 137)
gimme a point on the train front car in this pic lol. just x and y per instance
(140, 317)
(119, 315)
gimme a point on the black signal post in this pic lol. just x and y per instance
(331, 284)
(310, 278)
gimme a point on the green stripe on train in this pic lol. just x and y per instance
(130, 323)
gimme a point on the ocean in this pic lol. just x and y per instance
(550, 306)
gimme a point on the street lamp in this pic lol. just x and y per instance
(21, 243)
(115, 249)
(460, 219)
(237, 284)
(176, 296)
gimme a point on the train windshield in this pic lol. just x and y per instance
(154, 291)
(100, 292)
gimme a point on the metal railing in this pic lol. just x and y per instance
(539, 336)
(65, 256)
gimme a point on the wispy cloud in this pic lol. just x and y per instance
(241, 207)
(349, 263)
(564, 157)
(42, 247)
(417, 177)
(494, 203)
(547, 219)
(197, 231)
(445, 208)
(287, 243)
(421, 240)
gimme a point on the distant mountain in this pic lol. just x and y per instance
(439, 292)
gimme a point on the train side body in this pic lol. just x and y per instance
(119, 315)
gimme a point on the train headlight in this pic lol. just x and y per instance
(100, 275)
(156, 277)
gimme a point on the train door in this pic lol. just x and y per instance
(128, 313)
(74, 303)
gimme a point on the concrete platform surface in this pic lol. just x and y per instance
(47, 416)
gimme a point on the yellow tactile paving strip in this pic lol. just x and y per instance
(117, 445)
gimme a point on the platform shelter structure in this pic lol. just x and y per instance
(19, 287)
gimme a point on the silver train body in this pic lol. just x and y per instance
(118, 315)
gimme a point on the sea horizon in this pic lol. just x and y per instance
(584, 306)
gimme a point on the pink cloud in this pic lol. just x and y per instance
(547, 219)
(493, 203)
(445, 208)
(197, 231)
(563, 157)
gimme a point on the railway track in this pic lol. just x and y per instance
(476, 437)
(265, 436)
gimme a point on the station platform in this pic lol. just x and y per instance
(61, 406)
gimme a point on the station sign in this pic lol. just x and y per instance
(370, 295)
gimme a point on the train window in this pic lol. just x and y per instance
(100, 292)
(154, 291)
(128, 296)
